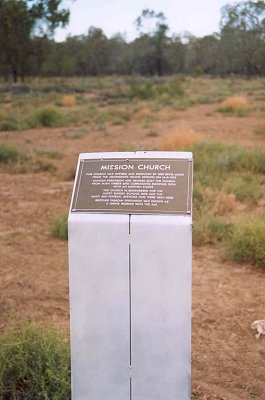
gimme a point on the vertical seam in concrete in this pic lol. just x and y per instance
(130, 303)
(130, 310)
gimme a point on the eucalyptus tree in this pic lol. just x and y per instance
(242, 37)
(20, 21)
(153, 29)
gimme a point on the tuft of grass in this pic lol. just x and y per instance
(147, 89)
(35, 364)
(216, 200)
(206, 99)
(209, 229)
(179, 140)
(44, 166)
(152, 133)
(235, 105)
(14, 159)
(44, 117)
(245, 188)
(246, 243)
(214, 160)
(59, 227)
(9, 123)
(50, 153)
(10, 154)
(68, 100)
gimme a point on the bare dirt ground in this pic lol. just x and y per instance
(228, 362)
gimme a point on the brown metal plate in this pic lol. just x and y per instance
(133, 186)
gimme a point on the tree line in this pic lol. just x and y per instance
(27, 47)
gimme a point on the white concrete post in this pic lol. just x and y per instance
(130, 257)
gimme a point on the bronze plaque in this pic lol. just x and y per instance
(133, 186)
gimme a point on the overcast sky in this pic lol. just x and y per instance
(199, 17)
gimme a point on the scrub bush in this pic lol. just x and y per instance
(245, 188)
(59, 227)
(9, 123)
(14, 159)
(236, 105)
(34, 364)
(10, 153)
(209, 229)
(247, 242)
(46, 117)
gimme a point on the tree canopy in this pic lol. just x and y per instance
(20, 21)
(27, 47)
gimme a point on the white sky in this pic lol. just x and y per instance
(199, 17)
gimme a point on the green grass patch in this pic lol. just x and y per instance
(209, 229)
(45, 117)
(44, 166)
(245, 188)
(50, 153)
(9, 123)
(246, 243)
(10, 154)
(35, 364)
(215, 161)
(59, 227)
(14, 159)
(147, 89)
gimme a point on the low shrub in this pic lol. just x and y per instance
(246, 243)
(245, 188)
(10, 154)
(146, 89)
(237, 105)
(181, 139)
(14, 159)
(217, 200)
(68, 100)
(35, 364)
(50, 153)
(9, 123)
(59, 227)
(46, 117)
(214, 158)
(209, 230)
(197, 71)
(44, 166)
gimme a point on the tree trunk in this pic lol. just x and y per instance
(14, 74)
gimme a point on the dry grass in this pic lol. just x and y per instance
(234, 103)
(143, 113)
(220, 201)
(68, 100)
(182, 139)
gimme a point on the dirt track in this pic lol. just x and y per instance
(228, 362)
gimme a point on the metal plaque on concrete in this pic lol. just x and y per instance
(134, 186)
(130, 259)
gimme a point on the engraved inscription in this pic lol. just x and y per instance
(133, 186)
